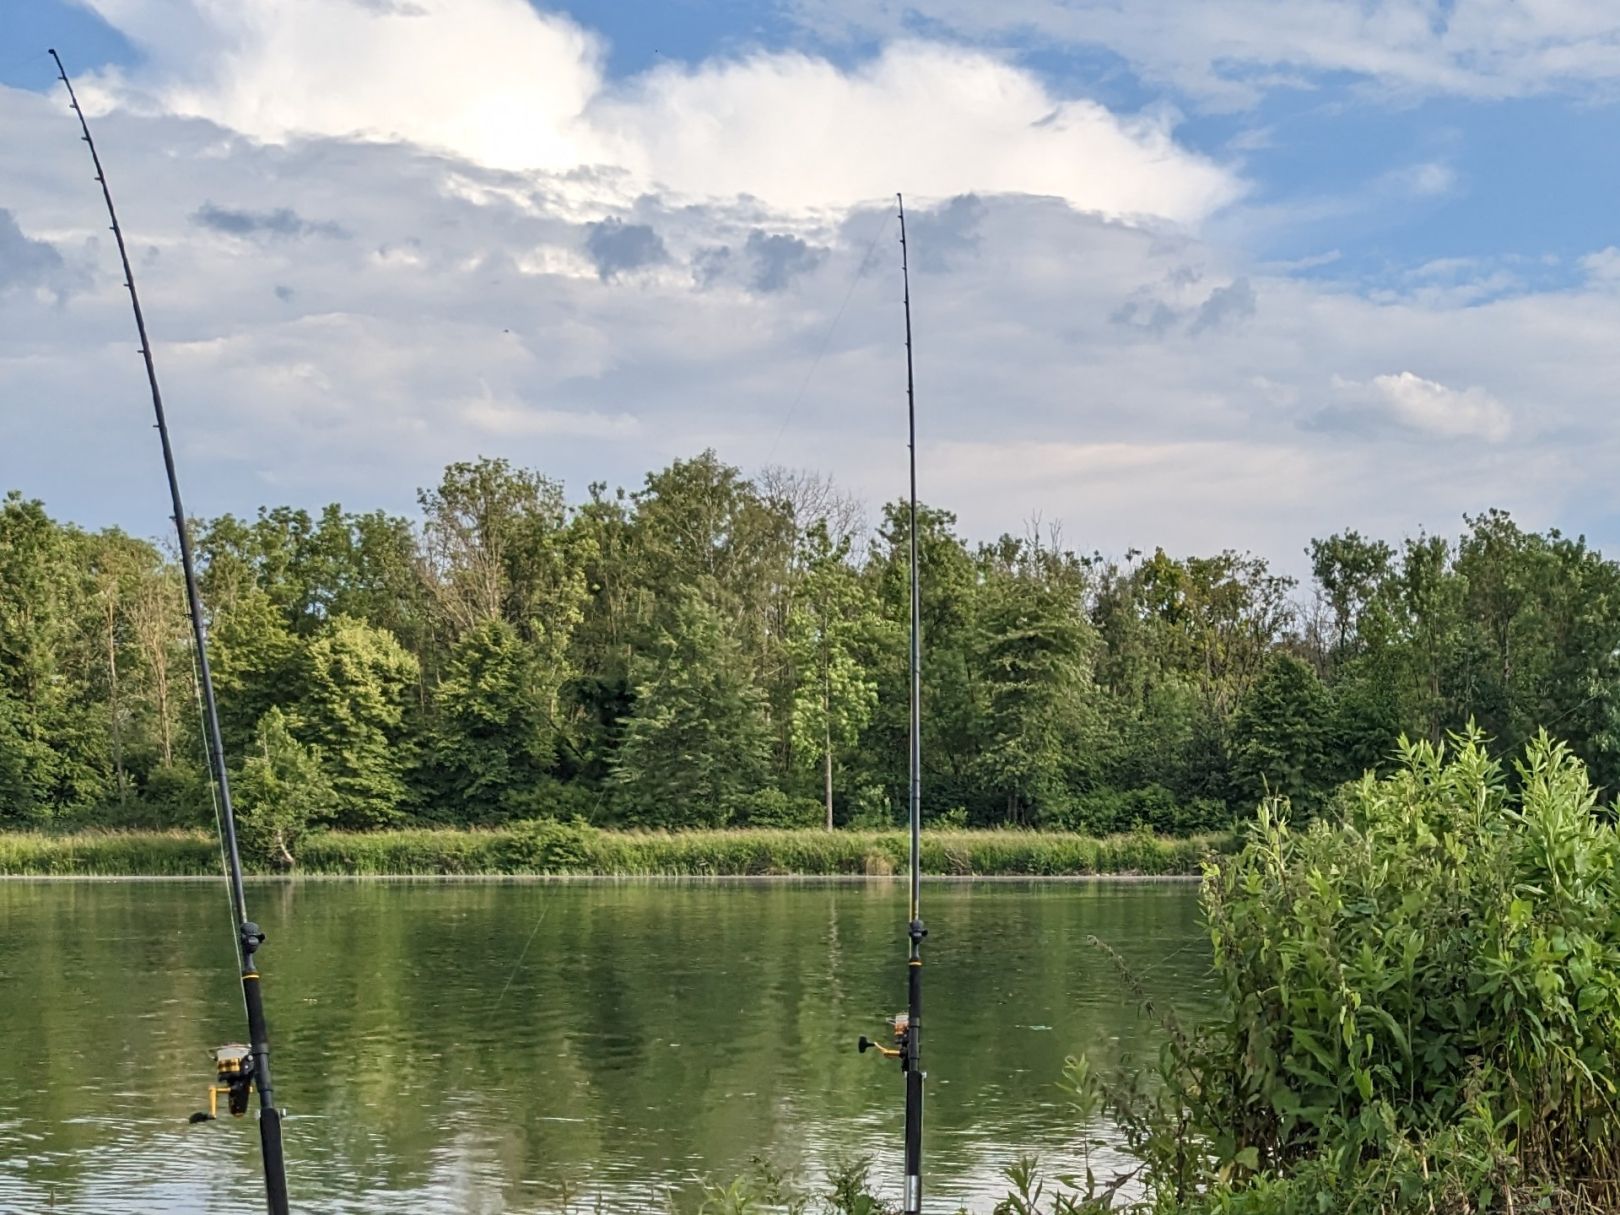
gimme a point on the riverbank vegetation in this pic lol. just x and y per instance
(575, 848)
(716, 651)
(1418, 1013)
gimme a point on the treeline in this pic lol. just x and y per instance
(711, 650)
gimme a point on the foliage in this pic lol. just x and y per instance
(493, 746)
(679, 653)
(773, 808)
(696, 742)
(833, 615)
(1419, 1007)
(767, 1189)
(281, 793)
(1280, 737)
(358, 678)
(1153, 806)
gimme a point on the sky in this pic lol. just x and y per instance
(1204, 276)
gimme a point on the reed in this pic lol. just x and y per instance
(546, 847)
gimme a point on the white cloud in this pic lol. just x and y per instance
(1231, 51)
(1431, 408)
(394, 308)
(937, 120)
(493, 80)
(498, 83)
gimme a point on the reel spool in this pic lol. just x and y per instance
(233, 1067)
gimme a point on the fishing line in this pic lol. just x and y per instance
(1169, 957)
(826, 339)
(518, 965)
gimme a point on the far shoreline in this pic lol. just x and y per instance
(591, 879)
(576, 851)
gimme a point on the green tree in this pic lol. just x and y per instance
(25, 766)
(1034, 663)
(358, 681)
(612, 624)
(496, 546)
(835, 695)
(64, 743)
(696, 743)
(700, 522)
(1280, 736)
(281, 793)
(494, 743)
(258, 663)
(1351, 571)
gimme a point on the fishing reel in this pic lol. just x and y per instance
(233, 1065)
(901, 1049)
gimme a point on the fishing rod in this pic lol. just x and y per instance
(908, 1025)
(240, 1069)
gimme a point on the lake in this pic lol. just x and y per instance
(484, 1047)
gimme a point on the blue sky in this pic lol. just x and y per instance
(1225, 276)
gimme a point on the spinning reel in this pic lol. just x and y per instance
(902, 1048)
(233, 1065)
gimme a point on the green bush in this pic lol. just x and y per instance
(773, 808)
(1419, 1006)
(546, 846)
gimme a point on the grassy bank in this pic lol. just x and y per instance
(558, 848)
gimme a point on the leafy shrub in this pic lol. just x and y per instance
(871, 809)
(176, 796)
(954, 819)
(560, 800)
(1419, 1007)
(546, 846)
(773, 808)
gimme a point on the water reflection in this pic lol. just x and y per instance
(483, 1047)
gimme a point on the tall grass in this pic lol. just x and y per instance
(110, 854)
(568, 848)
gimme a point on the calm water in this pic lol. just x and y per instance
(496, 1047)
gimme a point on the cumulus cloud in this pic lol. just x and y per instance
(616, 247)
(1419, 406)
(792, 130)
(499, 83)
(779, 258)
(1432, 408)
(24, 261)
(1233, 51)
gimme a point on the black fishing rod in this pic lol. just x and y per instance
(240, 1069)
(908, 1025)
